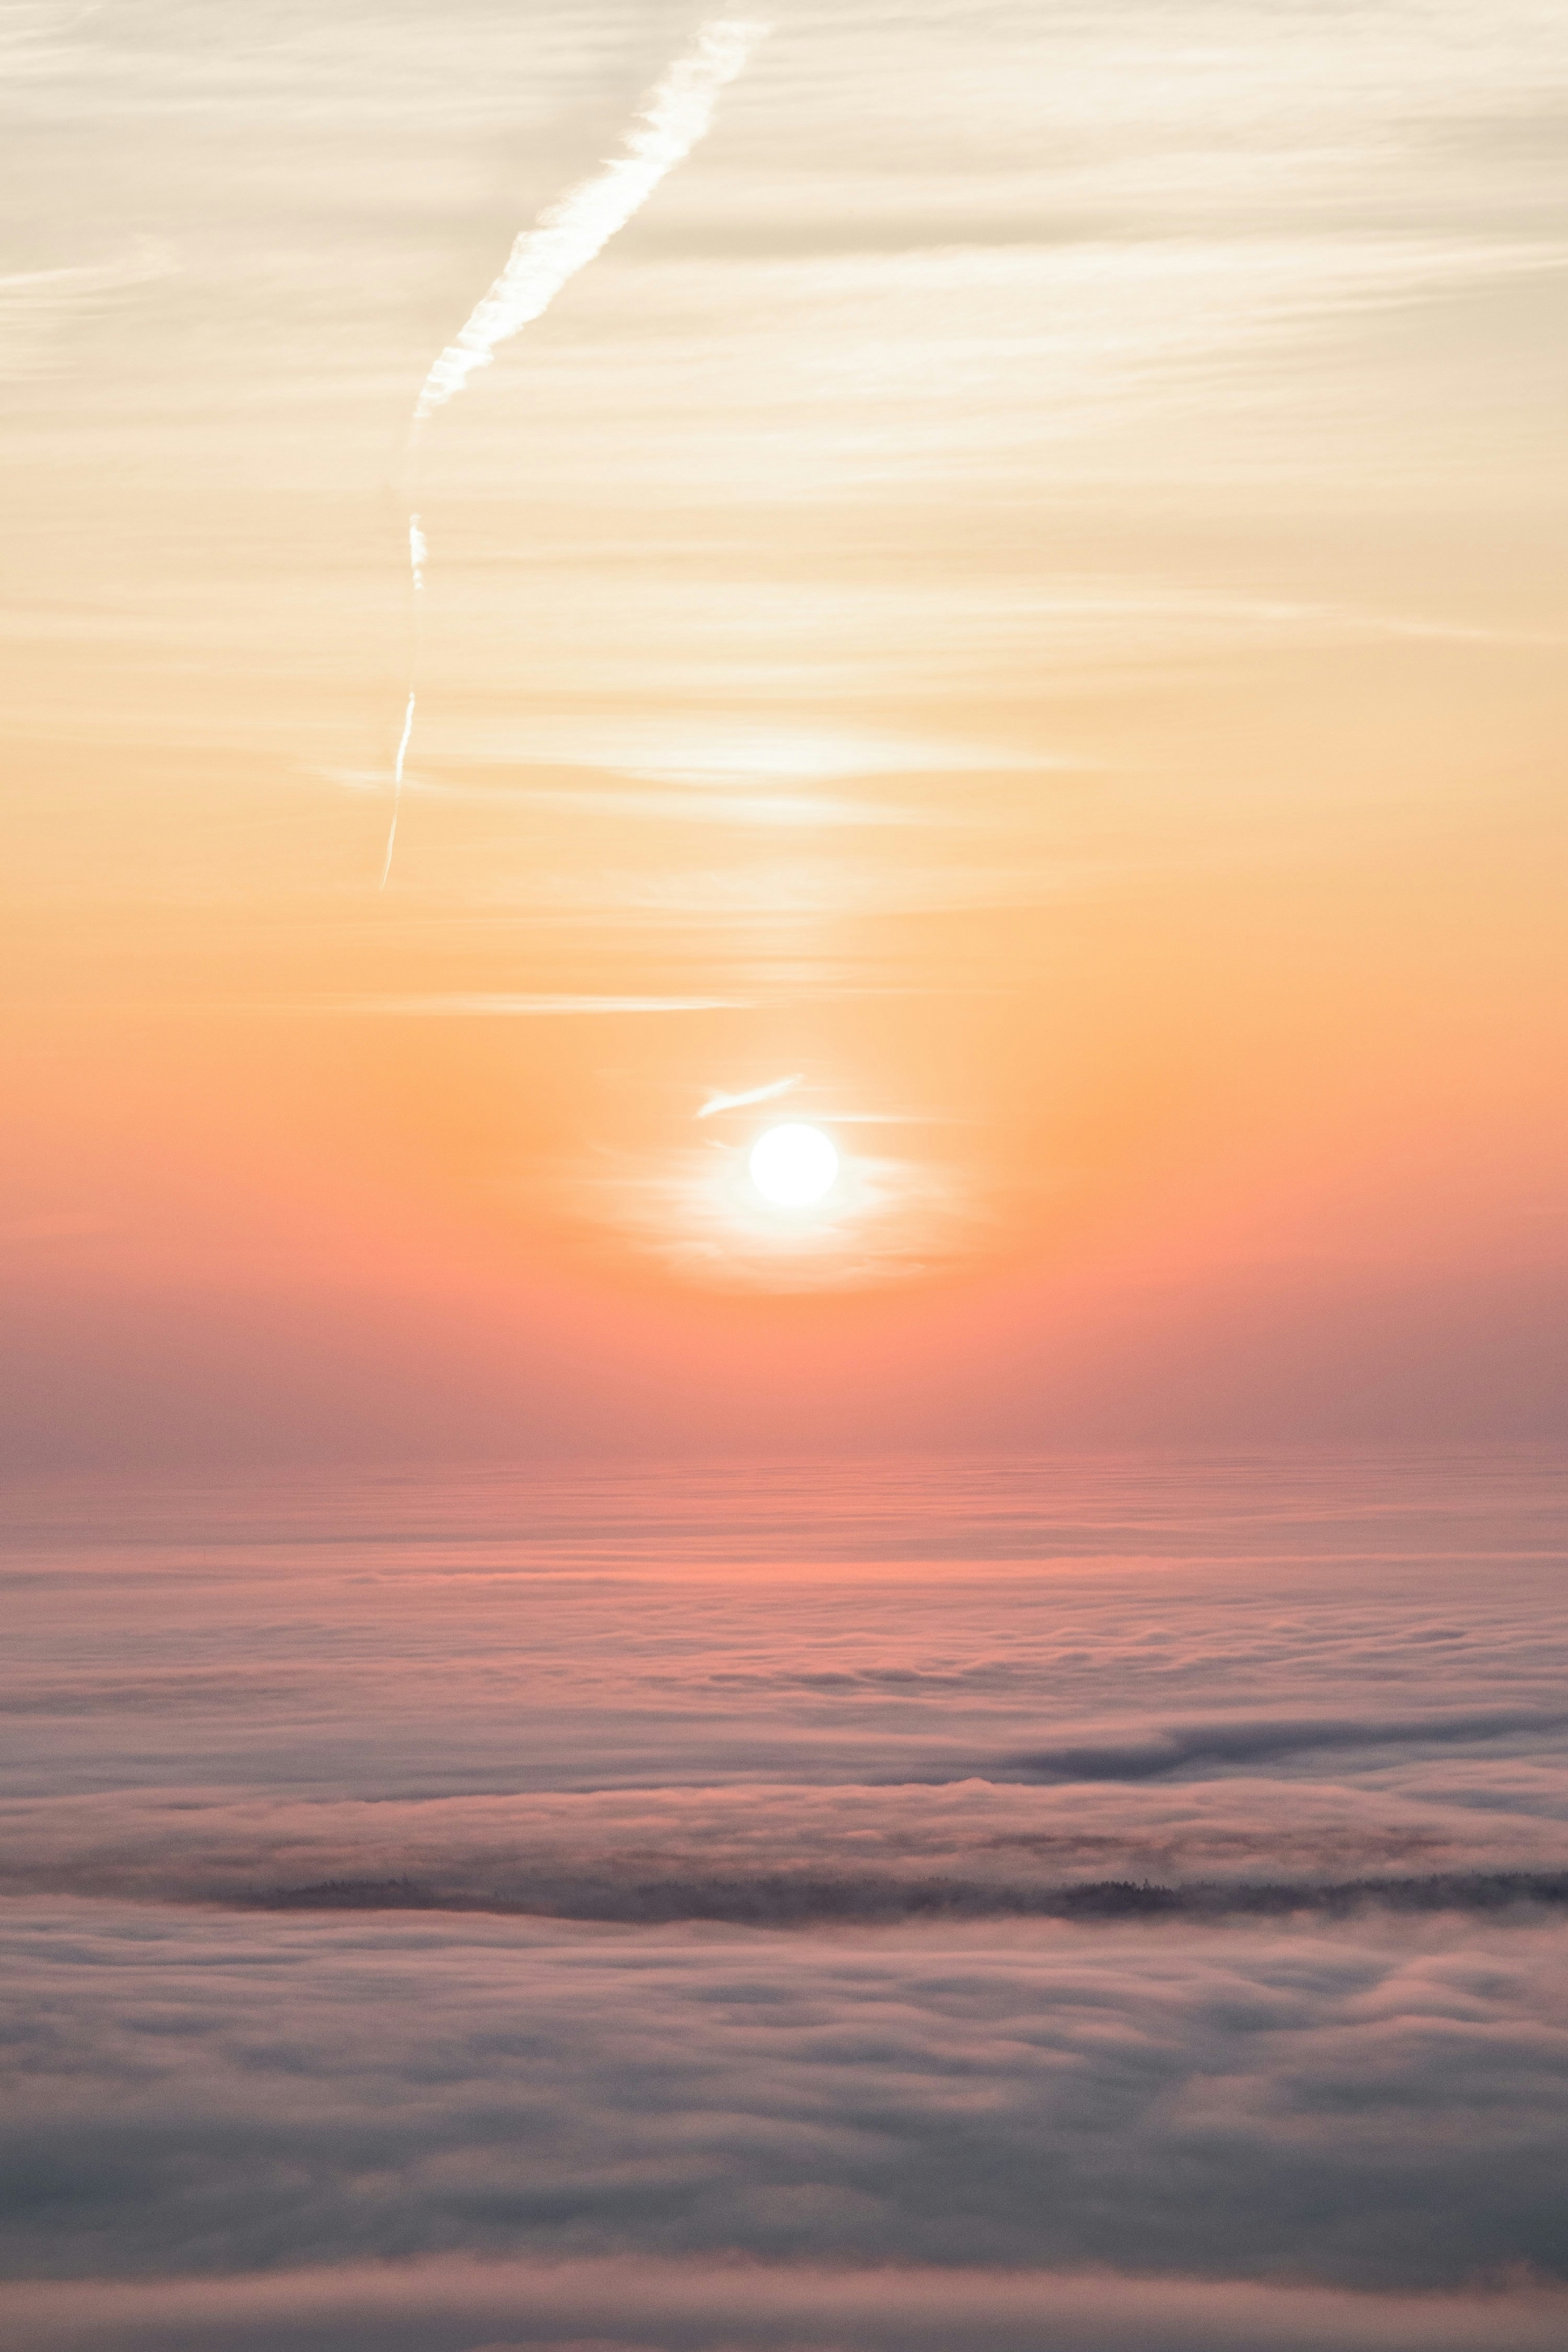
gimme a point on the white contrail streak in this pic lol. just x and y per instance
(674, 116)
(677, 113)
(716, 1103)
(397, 770)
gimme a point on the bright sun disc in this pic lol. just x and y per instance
(794, 1166)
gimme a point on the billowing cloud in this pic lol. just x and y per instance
(781, 1855)
(612, 1911)
(1375, 2104)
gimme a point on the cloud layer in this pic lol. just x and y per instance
(1119, 1889)
(1377, 2103)
(450, 2305)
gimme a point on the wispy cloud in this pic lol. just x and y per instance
(415, 552)
(676, 115)
(712, 751)
(646, 801)
(720, 1102)
(35, 303)
(512, 1007)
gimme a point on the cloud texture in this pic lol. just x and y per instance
(1379, 2104)
(1120, 1905)
(455, 2306)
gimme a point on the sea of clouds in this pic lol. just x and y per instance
(1121, 1903)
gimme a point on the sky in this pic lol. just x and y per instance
(1019, 594)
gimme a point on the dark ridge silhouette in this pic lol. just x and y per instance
(790, 1898)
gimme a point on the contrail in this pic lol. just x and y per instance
(397, 770)
(567, 237)
(677, 112)
(716, 1103)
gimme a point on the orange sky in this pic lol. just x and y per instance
(1023, 591)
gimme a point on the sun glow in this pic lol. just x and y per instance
(794, 1167)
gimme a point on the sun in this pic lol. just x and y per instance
(794, 1167)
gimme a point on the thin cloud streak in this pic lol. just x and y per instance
(398, 763)
(690, 807)
(720, 1102)
(33, 302)
(570, 233)
(512, 1006)
(677, 115)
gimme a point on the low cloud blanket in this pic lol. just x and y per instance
(1068, 1904)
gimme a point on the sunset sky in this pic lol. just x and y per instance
(1020, 594)
(783, 1238)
